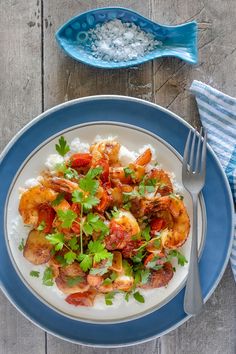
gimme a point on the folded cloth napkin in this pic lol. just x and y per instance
(218, 115)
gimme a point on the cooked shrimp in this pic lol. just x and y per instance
(72, 272)
(124, 282)
(107, 148)
(179, 226)
(163, 182)
(128, 221)
(159, 278)
(119, 173)
(63, 185)
(31, 200)
(144, 158)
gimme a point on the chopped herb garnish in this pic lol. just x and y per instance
(176, 254)
(67, 217)
(138, 297)
(115, 212)
(94, 223)
(58, 199)
(56, 239)
(73, 243)
(129, 172)
(62, 148)
(86, 261)
(145, 273)
(109, 297)
(71, 281)
(48, 277)
(21, 245)
(146, 233)
(41, 226)
(147, 186)
(70, 257)
(34, 273)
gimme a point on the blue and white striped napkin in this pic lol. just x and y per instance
(218, 115)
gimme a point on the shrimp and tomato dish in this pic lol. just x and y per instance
(102, 227)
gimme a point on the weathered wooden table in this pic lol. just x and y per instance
(35, 76)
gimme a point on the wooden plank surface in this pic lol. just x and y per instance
(33, 77)
(20, 101)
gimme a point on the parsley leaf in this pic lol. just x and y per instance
(60, 260)
(180, 257)
(127, 295)
(138, 297)
(129, 172)
(77, 197)
(62, 148)
(48, 277)
(147, 185)
(127, 268)
(89, 185)
(73, 243)
(115, 212)
(109, 297)
(41, 226)
(34, 273)
(68, 172)
(67, 217)
(94, 172)
(58, 199)
(145, 273)
(90, 201)
(86, 261)
(70, 257)
(94, 223)
(99, 251)
(21, 245)
(146, 233)
(56, 239)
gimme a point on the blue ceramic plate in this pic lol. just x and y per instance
(216, 192)
(176, 41)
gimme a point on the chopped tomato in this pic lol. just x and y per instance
(130, 248)
(80, 160)
(104, 202)
(116, 239)
(46, 215)
(75, 226)
(82, 299)
(105, 173)
(157, 224)
(76, 208)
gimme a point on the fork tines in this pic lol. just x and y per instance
(194, 160)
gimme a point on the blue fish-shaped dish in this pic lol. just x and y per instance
(176, 41)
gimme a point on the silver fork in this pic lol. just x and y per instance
(193, 177)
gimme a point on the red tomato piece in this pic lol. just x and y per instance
(46, 214)
(104, 202)
(81, 299)
(116, 238)
(76, 227)
(80, 160)
(130, 248)
(157, 224)
(105, 173)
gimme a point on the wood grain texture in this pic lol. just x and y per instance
(20, 101)
(35, 74)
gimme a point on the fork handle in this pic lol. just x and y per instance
(193, 301)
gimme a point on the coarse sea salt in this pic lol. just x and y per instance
(120, 41)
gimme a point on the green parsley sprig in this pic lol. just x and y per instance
(62, 147)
